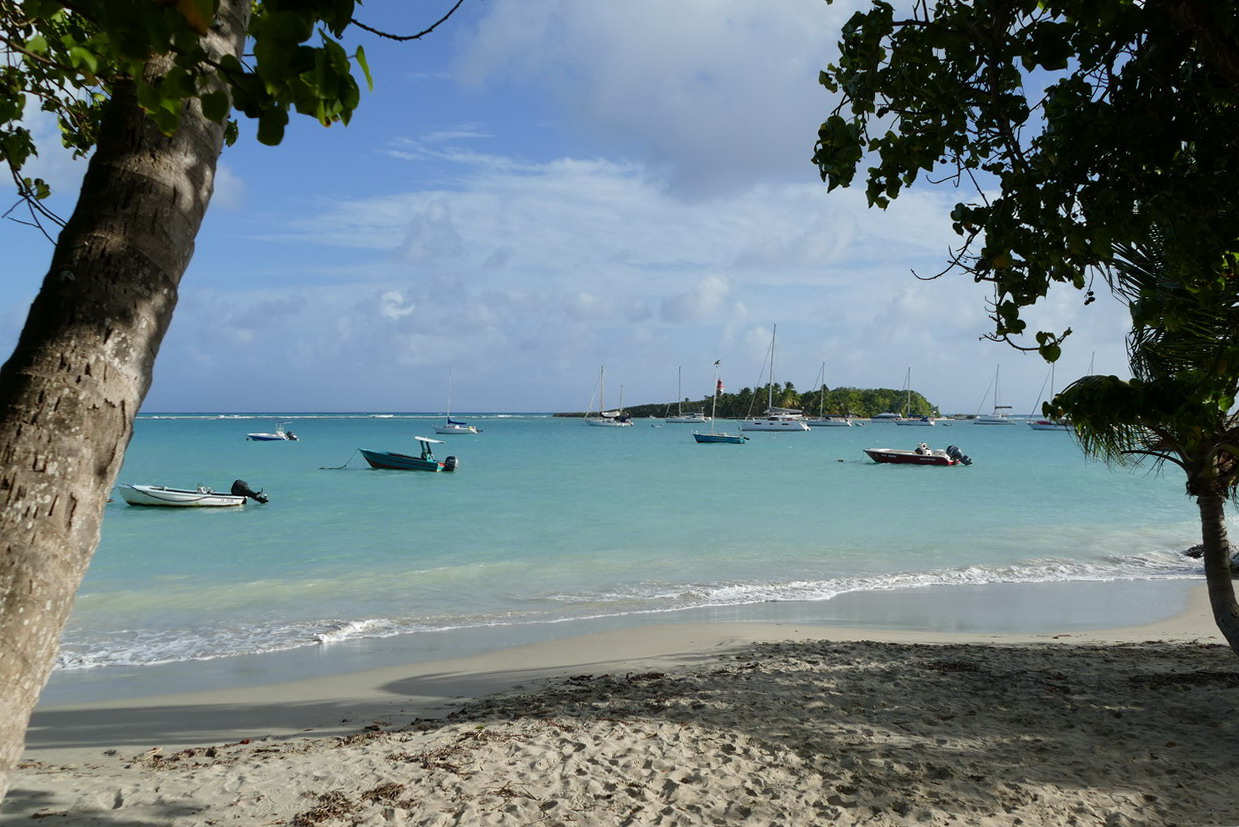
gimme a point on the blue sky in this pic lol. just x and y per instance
(544, 187)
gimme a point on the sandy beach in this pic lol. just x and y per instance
(681, 725)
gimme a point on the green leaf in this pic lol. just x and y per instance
(360, 56)
(271, 125)
(216, 105)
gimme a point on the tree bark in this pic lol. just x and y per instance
(82, 366)
(1216, 555)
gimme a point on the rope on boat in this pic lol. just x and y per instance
(338, 467)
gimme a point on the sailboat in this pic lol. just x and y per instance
(718, 436)
(908, 418)
(605, 418)
(1041, 424)
(776, 419)
(451, 426)
(822, 420)
(680, 417)
(999, 416)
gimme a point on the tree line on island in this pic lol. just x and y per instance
(749, 402)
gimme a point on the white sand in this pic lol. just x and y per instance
(681, 725)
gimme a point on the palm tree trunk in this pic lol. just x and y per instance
(1216, 556)
(82, 366)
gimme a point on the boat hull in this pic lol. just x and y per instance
(609, 422)
(731, 439)
(162, 496)
(896, 456)
(392, 461)
(455, 429)
(1048, 425)
(790, 425)
(830, 423)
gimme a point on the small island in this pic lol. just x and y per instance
(861, 403)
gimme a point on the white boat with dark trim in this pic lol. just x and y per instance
(776, 419)
(452, 426)
(280, 435)
(605, 418)
(200, 497)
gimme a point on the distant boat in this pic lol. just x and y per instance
(776, 419)
(681, 418)
(1042, 424)
(605, 418)
(200, 497)
(713, 436)
(824, 421)
(279, 435)
(390, 460)
(451, 426)
(999, 416)
(921, 455)
(907, 418)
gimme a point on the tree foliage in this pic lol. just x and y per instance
(748, 402)
(69, 57)
(1079, 126)
(146, 87)
(1099, 139)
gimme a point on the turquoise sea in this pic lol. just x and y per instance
(550, 528)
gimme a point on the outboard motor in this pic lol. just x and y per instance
(954, 453)
(241, 488)
(449, 464)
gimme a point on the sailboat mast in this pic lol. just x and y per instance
(821, 391)
(679, 390)
(770, 385)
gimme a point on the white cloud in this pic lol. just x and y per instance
(717, 93)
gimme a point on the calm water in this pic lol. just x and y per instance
(551, 527)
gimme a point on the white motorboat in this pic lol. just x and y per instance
(200, 497)
(280, 435)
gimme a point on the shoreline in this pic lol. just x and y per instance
(1047, 607)
(331, 704)
(681, 724)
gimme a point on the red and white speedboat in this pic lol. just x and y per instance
(921, 455)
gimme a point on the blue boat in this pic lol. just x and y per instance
(718, 436)
(734, 439)
(393, 461)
